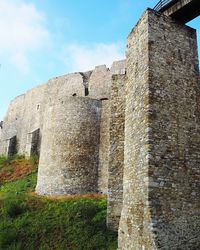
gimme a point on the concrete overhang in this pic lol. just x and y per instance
(181, 10)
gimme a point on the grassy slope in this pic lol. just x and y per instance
(31, 222)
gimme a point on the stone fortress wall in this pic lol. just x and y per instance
(68, 119)
(70, 147)
(131, 132)
(161, 181)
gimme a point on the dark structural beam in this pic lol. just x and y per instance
(181, 10)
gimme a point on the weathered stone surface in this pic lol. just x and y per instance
(35, 102)
(100, 80)
(84, 146)
(67, 85)
(162, 137)
(33, 143)
(116, 152)
(104, 147)
(134, 231)
(69, 151)
(26, 113)
(118, 68)
(12, 125)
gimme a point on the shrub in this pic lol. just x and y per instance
(13, 207)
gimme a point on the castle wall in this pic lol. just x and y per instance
(135, 222)
(118, 67)
(26, 112)
(33, 116)
(116, 152)
(100, 83)
(162, 137)
(100, 87)
(12, 124)
(66, 85)
(70, 147)
(104, 147)
(38, 98)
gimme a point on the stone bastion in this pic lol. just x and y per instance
(70, 147)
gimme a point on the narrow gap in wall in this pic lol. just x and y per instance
(86, 91)
(12, 147)
(35, 143)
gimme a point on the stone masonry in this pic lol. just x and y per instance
(69, 153)
(68, 118)
(161, 206)
(116, 152)
(131, 132)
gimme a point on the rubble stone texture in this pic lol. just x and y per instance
(116, 152)
(131, 132)
(29, 113)
(104, 147)
(161, 208)
(69, 153)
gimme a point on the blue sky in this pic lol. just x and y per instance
(40, 39)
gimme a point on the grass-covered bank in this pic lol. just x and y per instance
(30, 222)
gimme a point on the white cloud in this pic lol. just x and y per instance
(22, 30)
(82, 58)
(22, 62)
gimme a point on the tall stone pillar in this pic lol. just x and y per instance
(161, 208)
(116, 152)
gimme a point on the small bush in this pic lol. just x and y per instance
(13, 208)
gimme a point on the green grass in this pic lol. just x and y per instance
(32, 222)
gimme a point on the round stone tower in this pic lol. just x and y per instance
(70, 145)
